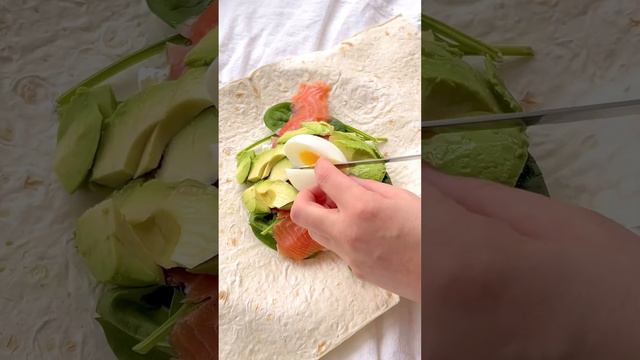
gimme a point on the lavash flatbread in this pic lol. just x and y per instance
(275, 308)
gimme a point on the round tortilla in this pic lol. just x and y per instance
(272, 307)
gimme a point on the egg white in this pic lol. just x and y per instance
(303, 179)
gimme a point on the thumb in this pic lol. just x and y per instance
(339, 187)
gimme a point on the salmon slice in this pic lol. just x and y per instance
(198, 287)
(293, 241)
(195, 337)
(311, 103)
(205, 22)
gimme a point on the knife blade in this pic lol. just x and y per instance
(369, 161)
(549, 116)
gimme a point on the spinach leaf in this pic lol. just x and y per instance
(531, 178)
(176, 12)
(121, 344)
(340, 126)
(262, 227)
(374, 172)
(276, 116)
(353, 146)
(129, 315)
(387, 179)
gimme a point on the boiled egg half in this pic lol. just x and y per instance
(305, 150)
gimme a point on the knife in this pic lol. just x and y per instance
(369, 161)
(549, 116)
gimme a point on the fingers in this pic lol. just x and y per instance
(526, 212)
(340, 188)
(309, 214)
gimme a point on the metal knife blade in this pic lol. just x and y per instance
(549, 116)
(369, 161)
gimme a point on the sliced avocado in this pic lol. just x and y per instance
(112, 250)
(276, 194)
(279, 170)
(176, 222)
(193, 98)
(79, 135)
(205, 51)
(102, 96)
(194, 207)
(189, 155)
(243, 164)
(319, 128)
(264, 162)
(128, 134)
(252, 203)
(139, 200)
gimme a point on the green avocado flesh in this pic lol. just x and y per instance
(263, 163)
(149, 225)
(260, 198)
(79, 134)
(138, 131)
(278, 172)
(205, 51)
(190, 154)
(453, 88)
(112, 250)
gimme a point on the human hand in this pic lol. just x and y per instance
(513, 275)
(373, 226)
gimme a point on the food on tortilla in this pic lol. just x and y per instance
(153, 240)
(79, 132)
(452, 87)
(304, 132)
(137, 133)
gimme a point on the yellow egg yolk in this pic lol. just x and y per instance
(308, 158)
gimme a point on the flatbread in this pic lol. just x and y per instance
(275, 308)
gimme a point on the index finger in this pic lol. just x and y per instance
(342, 189)
(309, 214)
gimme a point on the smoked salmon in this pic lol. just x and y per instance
(195, 337)
(311, 103)
(293, 241)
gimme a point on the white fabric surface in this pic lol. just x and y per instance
(256, 33)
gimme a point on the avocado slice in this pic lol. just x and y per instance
(260, 198)
(79, 135)
(194, 207)
(276, 194)
(263, 163)
(189, 154)
(139, 200)
(279, 170)
(102, 96)
(253, 203)
(193, 99)
(138, 130)
(243, 164)
(205, 51)
(112, 250)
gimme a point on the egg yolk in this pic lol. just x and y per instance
(308, 157)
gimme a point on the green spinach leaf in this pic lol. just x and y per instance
(262, 227)
(531, 178)
(340, 126)
(130, 315)
(276, 116)
(176, 12)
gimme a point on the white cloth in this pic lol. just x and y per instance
(256, 33)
